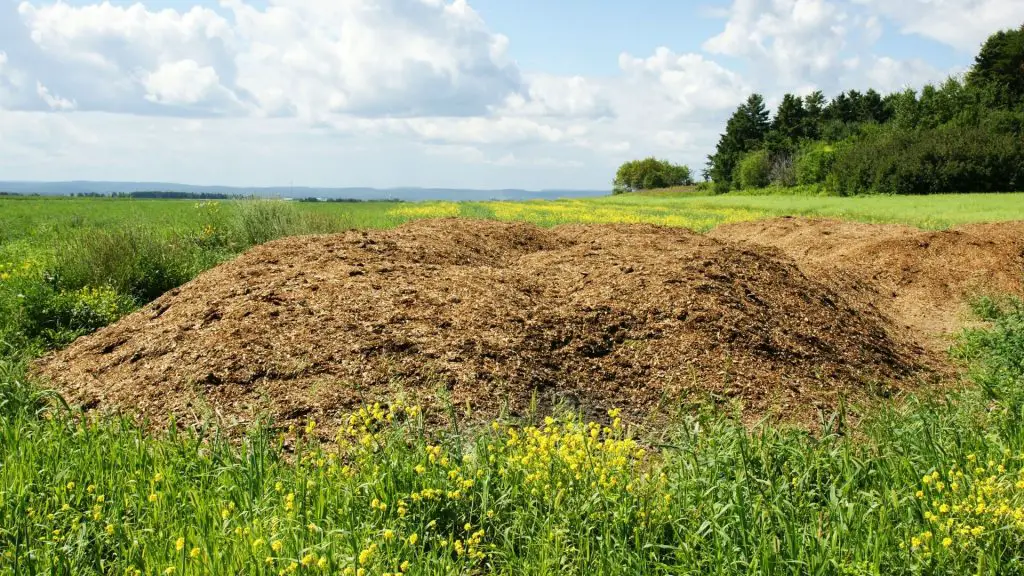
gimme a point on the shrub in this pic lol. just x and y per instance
(260, 221)
(753, 170)
(814, 163)
(58, 317)
(133, 260)
(947, 159)
(650, 173)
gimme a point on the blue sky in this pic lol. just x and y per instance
(477, 93)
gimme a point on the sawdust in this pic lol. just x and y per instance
(492, 314)
(922, 280)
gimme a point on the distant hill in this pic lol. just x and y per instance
(410, 194)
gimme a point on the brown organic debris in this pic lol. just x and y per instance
(922, 279)
(490, 314)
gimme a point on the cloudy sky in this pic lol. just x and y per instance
(460, 93)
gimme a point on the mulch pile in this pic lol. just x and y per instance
(922, 280)
(492, 314)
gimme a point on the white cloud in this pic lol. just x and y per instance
(12, 82)
(53, 101)
(792, 41)
(122, 38)
(459, 130)
(963, 24)
(887, 74)
(181, 83)
(688, 82)
(804, 45)
(390, 57)
(548, 95)
(363, 81)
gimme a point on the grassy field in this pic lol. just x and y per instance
(931, 486)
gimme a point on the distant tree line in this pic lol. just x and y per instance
(965, 135)
(167, 194)
(315, 199)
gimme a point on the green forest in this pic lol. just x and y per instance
(964, 135)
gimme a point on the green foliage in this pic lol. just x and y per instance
(933, 161)
(983, 118)
(996, 352)
(790, 123)
(814, 163)
(753, 170)
(133, 260)
(814, 113)
(259, 222)
(650, 173)
(746, 131)
(56, 318)
(999, 68)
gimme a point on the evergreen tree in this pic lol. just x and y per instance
(789, 124)
(871, 108)
(745, 131)
(999, 68)
(814, 114)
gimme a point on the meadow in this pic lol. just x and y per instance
(928, 485)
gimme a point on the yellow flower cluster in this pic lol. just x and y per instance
(967, 509)
(426, 210)
(9, 270)
(611, 212)
(568, 455)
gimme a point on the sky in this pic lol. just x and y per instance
(448, 93)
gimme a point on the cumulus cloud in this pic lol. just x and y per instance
(385, 57)
(689, 82)
(804, 45)
(309, 58)
(108, 57)
(563, 96)
(796, 42)
(12, 82)
(963, 24)
(426, 79)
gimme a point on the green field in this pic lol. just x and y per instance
(42, 218)
(931, 485)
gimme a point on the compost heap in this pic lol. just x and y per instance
(922, 279)
(490, 317)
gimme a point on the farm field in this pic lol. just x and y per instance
(734, 393)
(40, 218)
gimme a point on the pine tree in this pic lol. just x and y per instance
(814, 114)
(790, 120)
(999, 68)
(746, 130)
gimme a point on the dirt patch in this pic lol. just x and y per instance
(491, 314)
(920, 279)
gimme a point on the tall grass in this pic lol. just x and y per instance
(135, 261)
(90, 276)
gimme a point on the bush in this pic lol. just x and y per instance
(947, 159)
(650, 173)
(132, 260)
(261, 221)
(753, 170)
(814, 163)
(58, 317)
